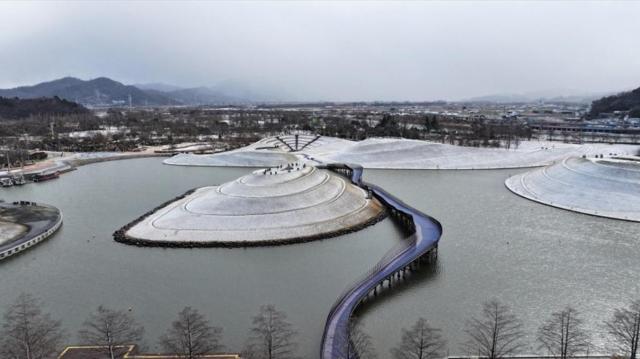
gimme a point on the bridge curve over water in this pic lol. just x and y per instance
(421, 245)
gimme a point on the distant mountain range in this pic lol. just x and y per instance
(550, 96)
(103, 91)
(199, 96)
(158, 86)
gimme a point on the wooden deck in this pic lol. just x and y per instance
(126, 352)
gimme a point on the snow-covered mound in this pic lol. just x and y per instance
(602, 187)
(414, 154)
(268, 152)
(395, 153)
(233, 159)
(282, 205)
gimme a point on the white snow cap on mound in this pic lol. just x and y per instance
(233, 159)
(268, 152)
(415, 154)
(607, 188)
(396, 153)
(286, 204)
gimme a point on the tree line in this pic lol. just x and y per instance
(50, 131)
(15, 108)
(496, 332)
(29, 333)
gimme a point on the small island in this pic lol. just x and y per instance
(291, 203)
(604, 187)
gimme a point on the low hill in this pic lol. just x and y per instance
(226, 93)
(626, 101)
(157, 86)
(101, 91)
(567, 96)
(203, 96)
(15, 108)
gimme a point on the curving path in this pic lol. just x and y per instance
(422, 244)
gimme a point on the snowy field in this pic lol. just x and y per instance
(414, 154)
(608, 188)
(268, 152)
(266, 205)
(394, 153)
(237, 158)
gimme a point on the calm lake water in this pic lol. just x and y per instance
(495, 244)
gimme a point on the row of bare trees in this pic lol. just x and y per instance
(495, 333)
(28, 333)
(498, 333)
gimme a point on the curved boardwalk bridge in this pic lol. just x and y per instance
(421, 246)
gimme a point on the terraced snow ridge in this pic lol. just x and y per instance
(292, 203)
(232, 159)
(602, 187)
(396, 153)
(268, 152)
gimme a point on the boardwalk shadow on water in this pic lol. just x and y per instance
(415, 278)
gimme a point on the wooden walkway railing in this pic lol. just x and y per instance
(420, 246)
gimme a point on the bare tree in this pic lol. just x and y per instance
(354, 343)
(496, 333)
(563, 334)
(110, 329)
(27, 333)
(420, 342)
(191, 335)
(360, 341)
(624, 328)
(272, 336)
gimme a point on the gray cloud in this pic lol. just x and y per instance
(330, 50)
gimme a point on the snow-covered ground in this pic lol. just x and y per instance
(603, 187)
(395, 153)
(66, 161)
(414, 154)
(10, 230)
(233, 159)
(267, 205)
(268, 152)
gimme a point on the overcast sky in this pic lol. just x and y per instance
(330, 50)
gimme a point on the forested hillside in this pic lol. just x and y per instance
(15, 108)
(626, 101)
